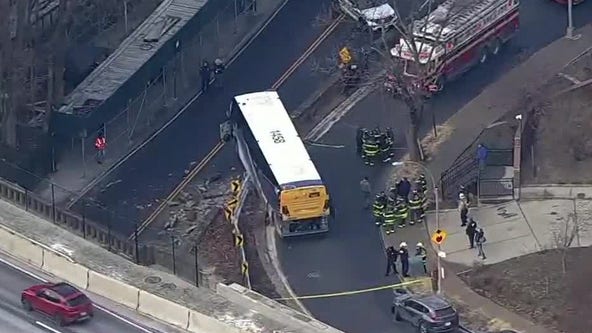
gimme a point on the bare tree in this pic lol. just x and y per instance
(413, 90)
(12, 66)
(564, 233)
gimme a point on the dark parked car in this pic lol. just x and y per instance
(62, 302)
(430, 314)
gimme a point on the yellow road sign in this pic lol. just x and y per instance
(228, 213)
(245, 268)
(439, 236)
(235, 187)
(239, 240)
(345, 55)
(232, 203)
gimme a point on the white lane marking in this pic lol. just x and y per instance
(47, 327)
(41, 279)
(107, 172)
(339, 112)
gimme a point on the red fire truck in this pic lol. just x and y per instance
(454, 37)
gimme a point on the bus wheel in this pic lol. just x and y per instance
(483, 55)
(496, 46)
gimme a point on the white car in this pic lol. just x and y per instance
(376, 14)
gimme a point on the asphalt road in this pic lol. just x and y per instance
(351, 257)
(14, 319)
(154, 171)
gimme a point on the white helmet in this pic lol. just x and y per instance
(461, 196)
(403, 244)
(419, 244)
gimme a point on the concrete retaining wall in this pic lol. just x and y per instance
(66, 269)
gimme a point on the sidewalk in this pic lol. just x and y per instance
(468, 123)
(75, 176)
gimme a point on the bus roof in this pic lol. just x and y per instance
(277, 137)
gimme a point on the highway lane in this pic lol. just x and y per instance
(351, 256)
(154, 171)
(14, 319)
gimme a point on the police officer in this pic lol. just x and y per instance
(391, 260)
(378, 208)
(402, 212)
(404, 255)
(420, 251)
(390, 219)
(415, 207)
(206, 73)
(370, 150)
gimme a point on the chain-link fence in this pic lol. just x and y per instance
(176, 83)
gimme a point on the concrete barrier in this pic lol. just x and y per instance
(28, 251)
(6, 241)
(65, 269)
(20, 247)
(113, 289)
(199, 323)
(163, 309)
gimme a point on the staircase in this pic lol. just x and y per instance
(495, 183)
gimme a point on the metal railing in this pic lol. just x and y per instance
(75, 223)
(464, 171)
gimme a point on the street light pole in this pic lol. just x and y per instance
(437, 199)
(570, 27)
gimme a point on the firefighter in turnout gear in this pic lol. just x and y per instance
(390, 219)
(370, 149)
(420, 251)
(421, 185)
(402, 212)
(415, 207)
(378, 208)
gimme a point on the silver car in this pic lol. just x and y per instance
(430, 314)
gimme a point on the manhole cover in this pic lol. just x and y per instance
(508, 331)
(170, 286)
(153, 279)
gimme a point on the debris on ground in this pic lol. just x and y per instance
(536, 287)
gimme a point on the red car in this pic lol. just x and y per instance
(60, 301)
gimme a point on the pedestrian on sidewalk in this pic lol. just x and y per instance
(463, 209)
(480, 240)
(205, 73)
(391, 260)
(219, 68)
(482, 153)
(471, 231)
(420, 251)
(366, 190)
(404, 255)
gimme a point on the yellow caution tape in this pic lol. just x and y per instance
(355, 292)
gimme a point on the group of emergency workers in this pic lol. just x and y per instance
(375, 145)
(397, 207)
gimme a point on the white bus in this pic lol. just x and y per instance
(273, 154)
